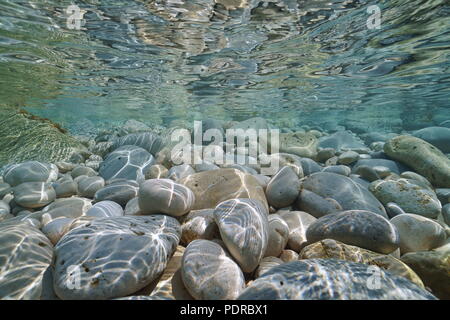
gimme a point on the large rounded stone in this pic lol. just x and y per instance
(34, 194)
(113, 257)
(278, 235)
(332, 249)
(410, 197)
(349, 194)
(244, 228)
(119, 191)
(25, 255)
(418, 233)
(146, 140)
(165, 196)
(199, 224)
(393, 166)
(56, 228)
(316, 205)
(423, 157)
(433, 268)
(298, 222)
(283, 188)
(360, 228)
(30, 171)
(127, 162)
(65, 187)
(104, 209)
(67, 207)
(212, 187)
(330, 279)
(437, 136)
(209, 273)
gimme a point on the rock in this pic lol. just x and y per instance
(30, 171)
(337, 280)
(284, 159)
(132, 208)
(393, 209)
(278, 235)
(145, 140)
(24, 136)
(209, 273)
(179, 172)
(288, 255)
(348, 157)
(283, 188)
(331, 249)
(212, 187)
(244, 228)
(89, 186)
(423, 157)
(56, 228)
(262, 180)
(340, 169)
(418, 233)
(205, 166)
(199, 224)
(348, 194)
(298, 222)
(126, 162)
(443, 195)
(119, 191)
(4, 208)
(104, 209)
(66, 207)
(446, 214)
(367, 173)
(65, 187)
(83, 171)
(34, 194)
(359, 228)
(325, 154)
(299, 143)
(266, 264)
(316, 205)
(165, 196)
(113, 257)
(156, 171)
(437, 136)
(393, 166)
(25, 255)
(341, 140)
(410, 197)
(433, 268)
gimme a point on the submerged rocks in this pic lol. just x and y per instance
(283, 188)
(244, 228)
(360, 228)
(298, 222)
(299, 143)
(348, 194)
(34, 194)
(165, 196)
(437, 136)
(25, 255)
(330, 279)
(104, 209)
(212, 187)
(423, 157)
(120, 191)
(146, 140)
(199, 224)
(30, 171)
(88, 186)
(408, 196)
(126, 162)
(209, 273)
(278, 235)
(113, 257)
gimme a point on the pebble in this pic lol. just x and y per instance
(165, 196)
(437, 136)
(393, 209)
(336, 280)
(316, 205)
(178, 172)
(359, 228)
(338, 169)
(30, 171)
(281, 160)
(199, 224)
(83, 171)
(113, 257)
(156, 171)
(65, 187)
(288, 255)
(56, 228)
(341, 140)
(244, 228)
(34, 194)
(73, 207)
(266, 264)
(209, 273)
(89, 186)
(119, 191)
(418, 233)
(443, 195)
(104, 209)
(278, 235)
(299, 143)
(298, 222)
(283, 188)
(367, 173)
(348, 157)
(393, 166)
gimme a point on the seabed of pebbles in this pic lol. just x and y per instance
(123, 221)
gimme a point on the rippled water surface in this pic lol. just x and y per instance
(294, 61)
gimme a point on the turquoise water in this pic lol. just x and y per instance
(294, 62)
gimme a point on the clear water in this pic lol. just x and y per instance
(295, 62)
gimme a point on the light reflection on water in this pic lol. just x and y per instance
(295, 62)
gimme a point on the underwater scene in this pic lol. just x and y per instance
(225, 150)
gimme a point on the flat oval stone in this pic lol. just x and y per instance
(348, 157)
(209, 273)
(446, 213)
(347, 193)
(283, 188)
(25, 255)
(298, 222)
(30, 171)
(410, 197)
(212, 187)
(113, 257)
(244, 228)
(89, 186)
(316, 205)
(34, 194)
(359, 228)
(338, 169)
(391, 165)
(278, 235)
(104, 209)
(199, 224)
(331, 279)
(437, 136)
(418, 233)
(126, 162)
(119, 191)
(165, 196)
(67, 207)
